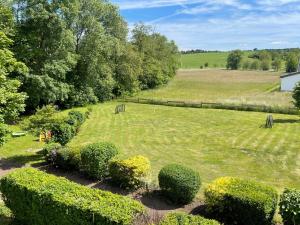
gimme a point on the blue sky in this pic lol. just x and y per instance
(219, 24)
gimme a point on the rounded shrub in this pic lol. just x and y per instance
(130, 173)
(243, 202)
(180, 218)
(68, 158)
(95, 159)
(50, 152)
(62, 132)
(180, 184)
(290, 206)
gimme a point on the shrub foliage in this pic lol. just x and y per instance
(179, 183)
(290, 207)
(37, 198)
(95, 158)
(185, 219)
(243, 202)
(130, 173)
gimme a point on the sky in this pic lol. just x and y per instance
(219, 24)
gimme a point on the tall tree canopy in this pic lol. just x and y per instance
(78, 52)
(11, 101)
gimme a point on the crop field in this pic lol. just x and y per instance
(223, 86)
(214, 142)
(195, 61)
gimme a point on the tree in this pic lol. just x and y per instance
(265, 64)
(11, 101)
(254, 65)
(42, 120)
(246, 65)
(234, 60)
(160, 57)
(45, 44)
(292, 63)
(296, 96)
(277, 64)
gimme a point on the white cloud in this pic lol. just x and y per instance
(142, 4)
(247, 32)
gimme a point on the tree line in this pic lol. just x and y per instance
(73, 53)
(264, 60)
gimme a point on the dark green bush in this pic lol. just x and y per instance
(290, 207)
(185, 219)
(50, 152)
(179, 183)
(62, 132)
(243, 202)
(76, 119)
(37, 198)
(68, 158)
(95, 158)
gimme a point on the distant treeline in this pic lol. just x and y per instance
(284, 50)
(195, 51)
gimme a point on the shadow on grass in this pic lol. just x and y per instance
(155, 200)
(286, 121)
(18, 161)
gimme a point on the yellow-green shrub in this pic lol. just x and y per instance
(38, 198)
(185, 219)
(243, 202)
(130, 173)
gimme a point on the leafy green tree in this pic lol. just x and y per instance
(234, 60)
(296, 96)
(45, 44)
(277, 64)
(254, 65)
(246, 65)
(42, 120)
(265, 64)
(159, 56)
(11, 101)
(292, 63)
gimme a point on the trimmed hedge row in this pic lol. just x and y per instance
(37, 198)
(185, 219)
(64, 131)
(130, 173)
(180, 184)
(290, 207)
(243, 202)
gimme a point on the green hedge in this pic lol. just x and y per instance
(290, 207)
(185, 219)
(130, 173)
(243, 202)
(64, 131)
(95, 159)
(180, 184)
(37, 198)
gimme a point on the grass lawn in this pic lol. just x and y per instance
(223, 86)
(214, 142)
(214, 60)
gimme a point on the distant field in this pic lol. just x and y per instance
(214, 142)
(223, 86)
(214, 60)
